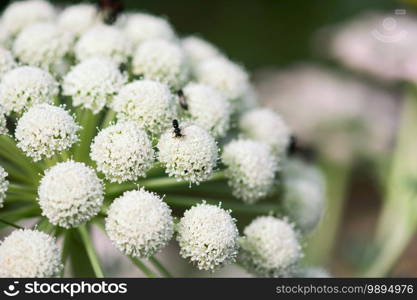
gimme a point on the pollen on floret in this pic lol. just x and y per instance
(227, 77)
(78, 18)
(207, 108)
(70, 194)
(139, 223)
(269, 247)
(267, 126)
(161, 60)
(26, 86)
(7, 61)
(4, 185)
(29, 253)
(20, 14)
(140, 27)
(148, 103)
(122, 152)
(191, 157)
(42, 45)
(208, 237)
(93, 83)
(250, 168)
(103, 41)
(198, 50)
(45, 130)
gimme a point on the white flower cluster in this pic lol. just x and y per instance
(139, 223)
(70, 194)
(208, 236)
(103, 41)
(43, 45)
(207, 108)
(4, 185)
(191, 156)
(198, 50)
(29, 253)
(7, 61)
(45, 130)
(148, 103)
(251, 169)
(78, 18)
(269, 247)
(122, 152)
(25, 86)
(93, 83)
(3, 122)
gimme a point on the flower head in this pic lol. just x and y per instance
(7, 61)
(208, 108)
(93, 83)
(264, 125)
(122, 152)
(229, 78)
(4, 185)
(199, 50)
(19, 14)
(251, 169)
(3, 122)
(161, 60)
(104, 41)
(269, 247)
(25, 86)
(29, 253)
(148, 103)
(139, 223)
(208, 236)
(141, 27)
(191, 156)
(42, 45)
(70, 194)
(45, 130)
(78, 18)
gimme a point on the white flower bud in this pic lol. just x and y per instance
(42, 45)
(191, 156)
(44, 130)
(304, 194)
(78, 18)
(4, 185)
(251, 169)
(93, 83)
(148, 103)
(208, 108)
(19, 14)
(25, 86)
(70, 194)
(139, 223)
(229, 78)
(199, 50)
(264, 125)
(7, 61)
(208, 236)
(270, 247)
(122, 152)
(161, 60)
(103, 41)
(140, 27)
(29, 253)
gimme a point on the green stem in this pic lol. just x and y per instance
(160, 267)
(88, 121)
(92, 255)
(16, 188)
(108, 118)
(321, 243)
(398, 220)
(15, 173)
(11, 224)
(148, 272)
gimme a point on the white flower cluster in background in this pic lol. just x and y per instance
(7, 61)
(29, 253)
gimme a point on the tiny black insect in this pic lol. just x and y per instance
(110, 10)
(182, 100)
(177, 130)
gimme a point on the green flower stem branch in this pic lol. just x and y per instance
(88, 121)
(91, 252)
(398, 221)
(320, 244)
